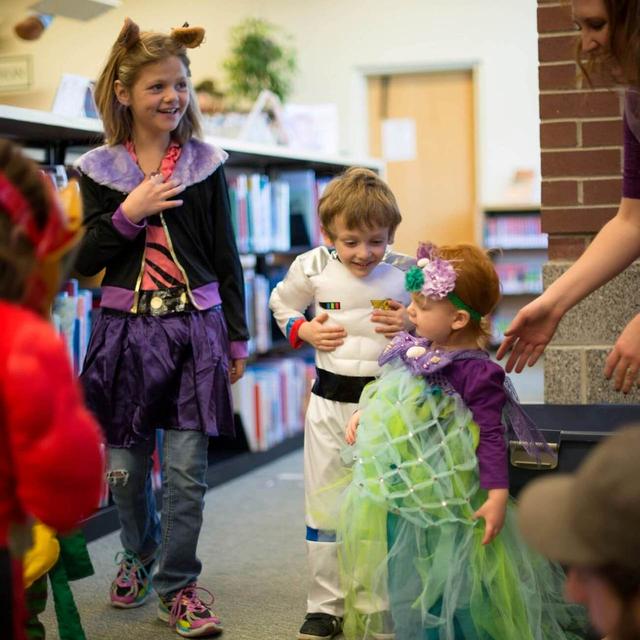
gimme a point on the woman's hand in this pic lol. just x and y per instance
(493, 512)
(321, 337)
(151, 196)
(392, 320)
(352, 428)
(623, 363)
(528, 334)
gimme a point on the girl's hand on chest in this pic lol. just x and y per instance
(151, 196)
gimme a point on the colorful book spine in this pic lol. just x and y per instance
(271, 400)
(71, 314)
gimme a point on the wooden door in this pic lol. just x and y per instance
(436, 191)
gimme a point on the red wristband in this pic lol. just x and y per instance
(294, 341)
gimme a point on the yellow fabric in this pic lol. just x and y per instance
(42, 555)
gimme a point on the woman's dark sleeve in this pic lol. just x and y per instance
(631, 172)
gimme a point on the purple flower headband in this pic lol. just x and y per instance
(435, 278)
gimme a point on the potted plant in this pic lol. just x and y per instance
(260, 59)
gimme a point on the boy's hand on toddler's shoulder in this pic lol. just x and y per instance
(351, 431)
(321, 336)
(493, 512)
(151, 196)
(392, 320)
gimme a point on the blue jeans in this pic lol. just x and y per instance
(174, 536)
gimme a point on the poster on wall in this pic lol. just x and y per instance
(399, 139)
(74, 97)
(15, 73)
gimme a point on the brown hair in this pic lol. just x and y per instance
(624, 43)
(363, 200)
(132, 50)
(17, 255)
(477, 284)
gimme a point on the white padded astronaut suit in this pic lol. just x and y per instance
(317, 278)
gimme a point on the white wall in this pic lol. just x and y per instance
(337, 40)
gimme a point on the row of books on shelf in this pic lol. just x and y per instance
(262, 327)
(271, 399)
(272, 213)
(520, 277)
(71, 316)
(517, 231)
(499, 324)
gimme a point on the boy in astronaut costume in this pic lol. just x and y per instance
(358, 299)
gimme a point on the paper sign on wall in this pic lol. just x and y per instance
(399, 139)
(74, 97)
(15, 73)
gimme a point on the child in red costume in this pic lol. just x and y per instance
(51, 464)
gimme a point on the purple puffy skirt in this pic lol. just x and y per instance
(144, 372)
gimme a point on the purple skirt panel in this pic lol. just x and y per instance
(145, 372)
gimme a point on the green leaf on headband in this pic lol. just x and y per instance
(414, 280)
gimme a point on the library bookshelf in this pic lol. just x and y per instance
(519, 249)
(273, 192)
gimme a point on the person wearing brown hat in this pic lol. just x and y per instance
(590, 522)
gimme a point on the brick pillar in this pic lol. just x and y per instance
(581, 162)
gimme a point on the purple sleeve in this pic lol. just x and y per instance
(239, 349)
(631, 172)
(480, 383)
(127, 228)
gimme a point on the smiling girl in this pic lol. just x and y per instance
(171, 334)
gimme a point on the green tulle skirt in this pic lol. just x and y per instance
(411, 557)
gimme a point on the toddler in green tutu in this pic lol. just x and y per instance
(420, 554)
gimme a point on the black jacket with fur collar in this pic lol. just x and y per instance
(200, 230)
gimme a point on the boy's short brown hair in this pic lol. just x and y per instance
(363, 200)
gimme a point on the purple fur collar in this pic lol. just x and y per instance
(113, 166)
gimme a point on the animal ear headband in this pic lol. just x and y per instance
(435, 278)
(189, 37)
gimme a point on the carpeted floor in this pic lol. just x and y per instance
(253, 552)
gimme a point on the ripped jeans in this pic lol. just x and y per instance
(173, 537)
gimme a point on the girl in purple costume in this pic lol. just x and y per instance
(171, 335)
(430, 466)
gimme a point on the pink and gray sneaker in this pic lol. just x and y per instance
(131, 586)
(188, 615)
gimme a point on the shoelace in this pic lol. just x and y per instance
(129, 565)
(192, 602)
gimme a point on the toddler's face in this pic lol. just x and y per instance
(433, 318)
(360, 250)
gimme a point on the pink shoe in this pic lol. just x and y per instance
(131, 586)
(190, 617)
